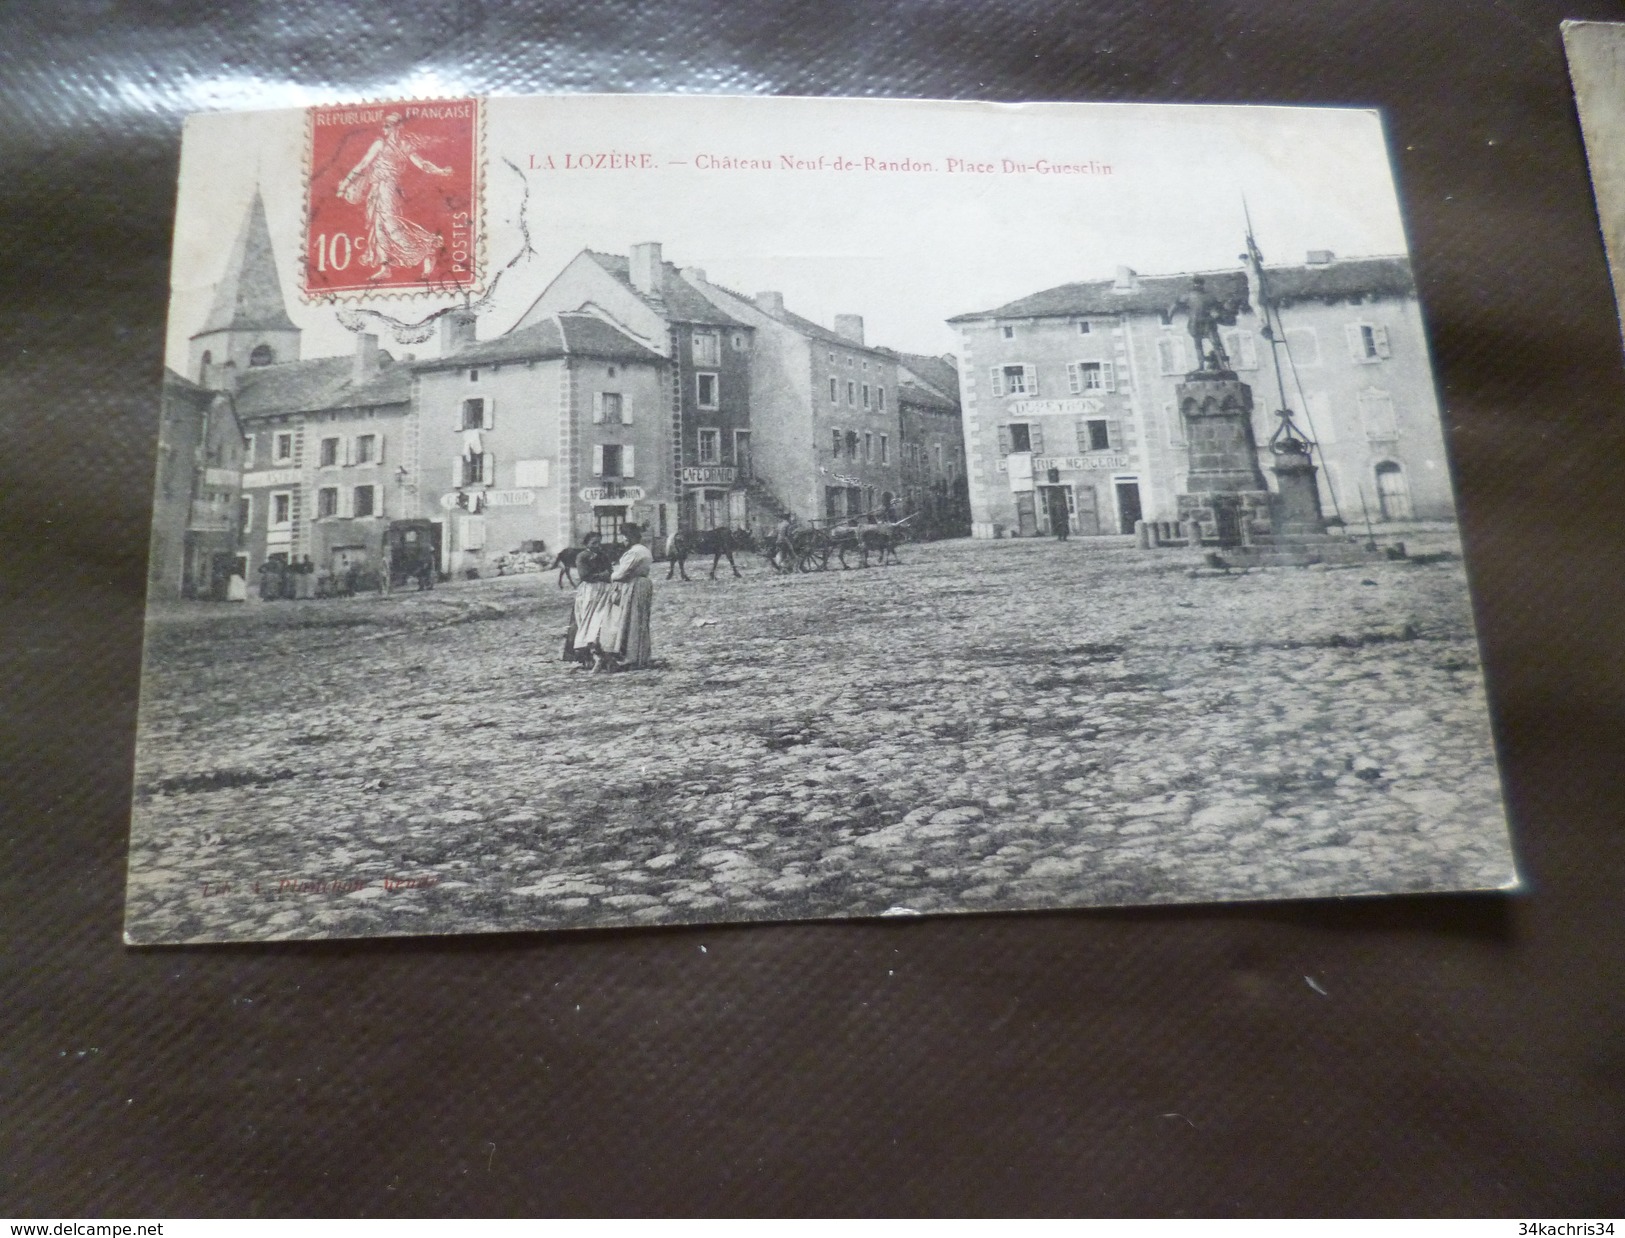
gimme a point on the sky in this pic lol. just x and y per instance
(906, 249)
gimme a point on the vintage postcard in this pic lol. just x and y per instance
(1596, 54)
(600, 510)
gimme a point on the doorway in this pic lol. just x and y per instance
(1128, 505)
(1393, 492)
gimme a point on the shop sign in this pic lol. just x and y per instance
(1075, 464)
(710, 475)
(490, 498)
(1083, 406)
(612, 494)
(222, 477)
(273, 477)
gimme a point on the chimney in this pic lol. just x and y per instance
(770, 302)
(1320, 257)
(456, 332)
(694, 275)
(951, 359)
(644, 268)
(1128, 280)
(365, 367)
(850, 326)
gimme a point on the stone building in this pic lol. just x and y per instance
(710, 353)
(196, 491)
(932, 434)
(826, 436)
(1068, 394)
(541, 435)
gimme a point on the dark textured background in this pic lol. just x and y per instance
(1468, 1055)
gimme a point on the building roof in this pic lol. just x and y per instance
(1388, 276)
(319, 385)
(583, 335)
(1147, 294)
(936, 372)
(921, 396)
(679, 300)
(249, 294)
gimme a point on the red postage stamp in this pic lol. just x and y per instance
(393, 199)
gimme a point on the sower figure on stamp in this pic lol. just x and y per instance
(1207, 314)
(392, 239)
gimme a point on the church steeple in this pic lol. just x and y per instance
(248, 324)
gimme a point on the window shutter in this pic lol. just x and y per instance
(998, 383)
(346, 501)
(1356, 344)
(1029, 374)
(1114, 434)
(488, 413)
(1004, 440)
(1035, 434)
(626, 408)
(456, 471)
(597, 459)
(349, 448)
(598, 408)
(1379, 337)
(1081, 429)
(1074, 380)
(488, 469)
(627, 468)
(1108, 376)
(378, 447)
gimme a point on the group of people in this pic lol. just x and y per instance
(609, 620)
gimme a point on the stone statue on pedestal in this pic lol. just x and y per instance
(1207, 313)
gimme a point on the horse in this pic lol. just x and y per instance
(717, 543)
(566, 560)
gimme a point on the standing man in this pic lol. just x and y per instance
(1058, 519)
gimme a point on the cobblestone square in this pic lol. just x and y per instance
(988, 725)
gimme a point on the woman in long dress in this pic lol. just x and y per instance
(393, 240)
(624, 639)
(591, 598)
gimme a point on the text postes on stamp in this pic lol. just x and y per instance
(393, 199)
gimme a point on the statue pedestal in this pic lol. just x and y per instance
(1226, 501)
(1297, 498)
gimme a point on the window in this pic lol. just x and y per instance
(835, 444)
(742, 453)
(476, 410)
(885, 449)
(327, 502)
(1083, 328)
(1015, 380)
(739, 341)
(707, 348)
(937, 451)
(329, 452)
(1019, 436)
(1091, 376)
(284, 447)
(1171, 355)
(610, 460)
(1094, 434)
(245, 513)
(880, 398)
(281, 509)
(248, 451)
(609, 371)
(365, 497)
(262, 355)
(706, 389)
(866, 395)
(849, 363)
(473, 376)
(834, 391)
(851, 393)
(852, 444)
(868, 446)
(1240, 347)
(1377, 416)
(1009, 333)
(710, 446)
(366, 448)
(1368, 342)
(832, 358)
(608, 408)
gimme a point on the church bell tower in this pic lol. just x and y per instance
(248, 324)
